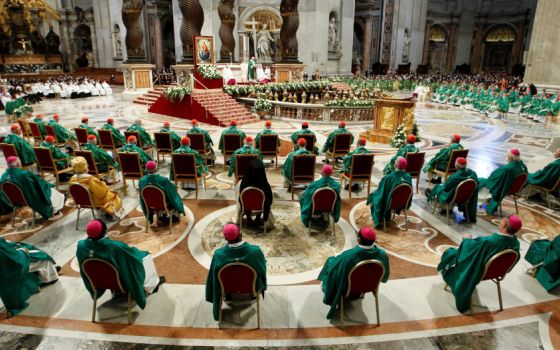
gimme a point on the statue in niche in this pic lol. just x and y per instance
(118, 41)
(406, 46)
(333, 34)
(264, 44)
(38, 43)
(53, 42)
(80, 14)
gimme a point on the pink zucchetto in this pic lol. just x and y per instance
(514, 223)
(327, 170)
(151, 165)
(94, 229)
(401, 163)
(231, 232)
(368, 233)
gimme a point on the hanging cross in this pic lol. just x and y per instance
(23, 44)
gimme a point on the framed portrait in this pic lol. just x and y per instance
(203, 50)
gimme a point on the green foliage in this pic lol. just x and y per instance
(262, 104)
(176, 94)
(243, 90)
(350, 103)
(416, 131)
(399, 139)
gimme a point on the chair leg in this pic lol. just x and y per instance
(196, 188)
(124, 185)
(500, 295)
(32, 219)
(447, 210)
(94, 306)
(467, 216)
(417, 182)
(350, 188)
(333, 227)
(515, 201)
(292, 188)
(78, 219)
(377, 308)
(93, 213)
(501, 213)
(368, 186)
(147, 220)
(129, 310)
(258, 311)
(405, 221)
(13, 217)
(435, 205)
(341, 311)
(384, 225)
(220, 315)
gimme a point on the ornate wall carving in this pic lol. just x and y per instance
(131, 16)
(193, 20)
(290, 25)
(387, 32)
(227, 17)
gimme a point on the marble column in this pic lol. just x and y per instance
(288, 32)
(518, 44)
(227, 18)
(451, 48)
(476, 58)
(366, 55)
(132, 19)
(426, 47)
(193, 20)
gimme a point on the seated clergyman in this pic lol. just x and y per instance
(136, 267)
(306, 199)
(409, 147)
(145, 138)
(334, 275)
(247, 148)
(463, 267)
(441, 159)
(544, 255)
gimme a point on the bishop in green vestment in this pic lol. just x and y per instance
(136, 267)
(40, 124)
(131, 146)
(23, 148)
(235, 251)
(18, 278)
(246, 149)
(175, 138)
(445, 192)
(463, 267)
(185, 148)
(232, 130)
(501, 179)
(118, 138)
(288, 163)
(61, 159)
(304, 131)
(329, 144)
(62, 134)
(103, 160)
(544, 255)
(402, 152)
(252, 70)
(441, 159)
(172, 198)
(360, 149)
(380, 199)
(145, 138)
(334, 275)
(266, 131)
(89, 129)
(207, 139)
(549, 175)
(306, 199)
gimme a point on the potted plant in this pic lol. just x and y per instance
(262, 106)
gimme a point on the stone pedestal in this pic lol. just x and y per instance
(137, 77)
(388, 115)
(184, 73)
(288, 72)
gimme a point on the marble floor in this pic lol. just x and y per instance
(415, 311)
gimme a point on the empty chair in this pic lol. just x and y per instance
(462, 195)
(268, 147)
(341, 146)
(232, 142)
(400, 201)
(185, 170)
(361, 167)
(131, 168)
(303, 170)
(163, 143)
(415, 165)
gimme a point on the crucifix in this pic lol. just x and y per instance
(23, 44)
(253, 24)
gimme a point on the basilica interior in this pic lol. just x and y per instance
(399, 78)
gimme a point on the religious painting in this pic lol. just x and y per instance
(203, 50)
(387, 115)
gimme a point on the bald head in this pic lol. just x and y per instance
(557, 153)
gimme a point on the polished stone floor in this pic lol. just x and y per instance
(415, 310)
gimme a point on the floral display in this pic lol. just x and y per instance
(209, 71)
(176, 94)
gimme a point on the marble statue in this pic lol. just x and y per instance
(118, 41)
(264, 47)
(53, 42)
(406, 46)
(333, 35)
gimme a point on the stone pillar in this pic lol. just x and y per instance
(366, 54)
(131, 16)
(518, 44)
(227, 18)
(193, 20)
(288, 32)
(451, 48)
(426, 47)
(476, 58)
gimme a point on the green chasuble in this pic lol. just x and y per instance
(175, 139)
(249, 254)
(445, 192)
(89, 130)
(381, 198)
(296, 135)
(500, 181)
(118, 138)
(334, 274)
(207, 138)
(402, 152)
(127, 260)
(305, 202)
(440, 160)
(61, 159)
(462, 267)
(132, 147)
(172, 198)
(546, 177)
(41, 124)
(243, 150)
(37, 191)
(288, 163)
(329, 144)
(232, 130)
(23, 148)
(200, 166)
(145, 138)
(264, 132)
(547, 254)
(347, 160)
(102, 158)
(62, 134)
(251, 70)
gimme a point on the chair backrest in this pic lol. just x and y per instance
(198, 143)
(127, 134)
(9, 150)
(454, 155)
(401, 197)
(92, 166)
(242, 163)
(365, 277)
(237, 278)
(35, 131)
(184, 165)
(23, 127)
(303, 167)
(106, 139)
(268, 144)
(464, 191)
(163, 142)
(252, 199)
(362, 165)
(232, 142)
(310, 141)
(81, 135)
(323, 200)
(45, 161)
(500, 264)
(50, 132)
(342, 142)
(81, 195)
(102, 275)
(154, 198)
(415, 162)
(518, 184)
(130, 164)
(14, 194)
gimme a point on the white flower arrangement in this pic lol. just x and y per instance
(209, 71)
(399, 139)
(262, 105)
(350, 103)
(176, 94)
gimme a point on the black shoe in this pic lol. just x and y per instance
(347, 187)
(107, 216)
(58, 268)
(175, 219)
(161, 281)
(427, 192)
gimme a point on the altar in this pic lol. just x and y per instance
(388, 114)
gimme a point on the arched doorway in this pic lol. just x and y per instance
(168, 43)
(357, 47)
(437, 51)
(498, 48)
(83, 46)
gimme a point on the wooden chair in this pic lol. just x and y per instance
(106, 141)
(35, 133)
(24, 129)
(81, 136)
(242, 164)
(546, 191)
(92, 166)
(238, 279)
(514, 190)
(415, 165)
(155, 201)
(139, 142)
(250, 199)
(185, 170)
(341, 147)
(303, 170)
(15, 196)
(131, 167)
(323, 201)
(310, 141)
(268, 147)
(451, 169)
(361, 167)
(82, 197)
(231, 143)
(198, 143)
(10, 150)
(50, 132)
(462, 195)
(103, 275)
(364, 277)
(47, 164)
(400, 201)
(164, 144)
